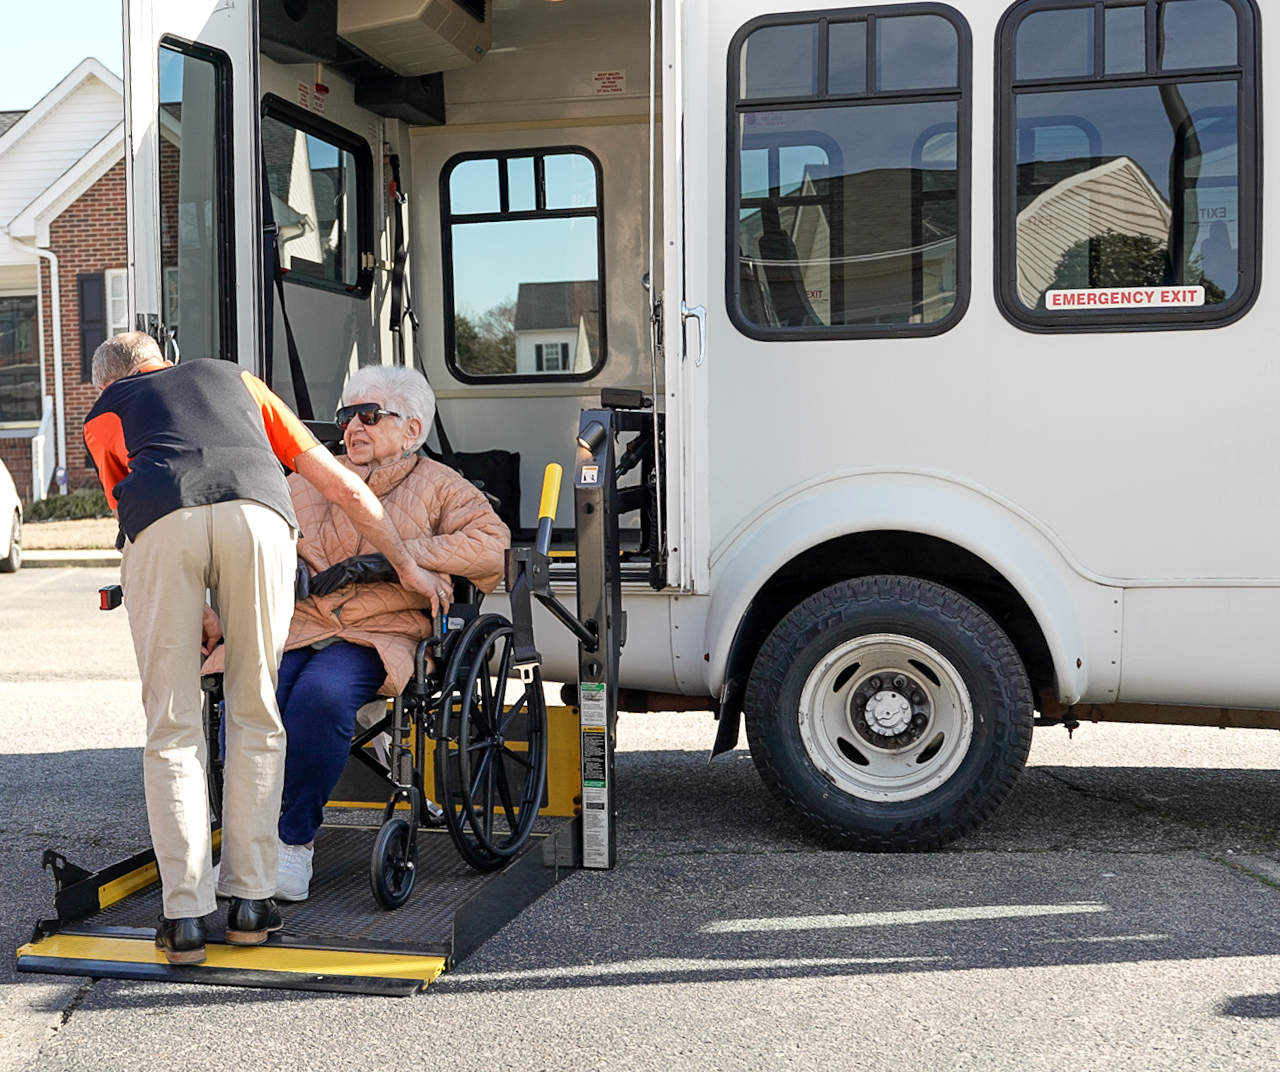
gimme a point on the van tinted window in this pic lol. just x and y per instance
(1128, 153)
(850, 143)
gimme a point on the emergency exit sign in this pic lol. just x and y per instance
(1123, 298)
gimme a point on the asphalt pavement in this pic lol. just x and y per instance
(1121, 911)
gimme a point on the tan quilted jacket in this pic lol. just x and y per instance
(445, 522)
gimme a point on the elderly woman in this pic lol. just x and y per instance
(353, 639)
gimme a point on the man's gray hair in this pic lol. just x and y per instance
(122, 355)
(401, 390)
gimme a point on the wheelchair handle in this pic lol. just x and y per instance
(551, 478)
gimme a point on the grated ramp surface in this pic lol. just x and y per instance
(341, 908)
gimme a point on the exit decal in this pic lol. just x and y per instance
(1124, 298)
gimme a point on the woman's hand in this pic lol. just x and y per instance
(435, 586)
(210, 631)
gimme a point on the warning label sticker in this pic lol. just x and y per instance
(609, 81)
(1123, 298)
(592, 709)
(594, 770)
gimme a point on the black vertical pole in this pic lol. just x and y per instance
(600, 608)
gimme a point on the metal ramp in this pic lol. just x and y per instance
(340, 940)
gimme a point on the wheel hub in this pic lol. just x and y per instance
(889, 710)
(853, 717)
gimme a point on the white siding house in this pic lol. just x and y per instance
(557, 327)
(49, 157)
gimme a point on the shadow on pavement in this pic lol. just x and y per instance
(1082, 865)
(1253, 1007)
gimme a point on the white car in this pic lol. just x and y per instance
(10, 524)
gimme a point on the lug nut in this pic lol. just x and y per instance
(899, 682)
(874, 684)
(917, 697)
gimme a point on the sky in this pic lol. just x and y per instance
(45, 40)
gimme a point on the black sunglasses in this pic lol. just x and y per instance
(368, 412)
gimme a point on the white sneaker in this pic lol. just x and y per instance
(294, 883)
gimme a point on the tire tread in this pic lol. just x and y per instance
(885, 596)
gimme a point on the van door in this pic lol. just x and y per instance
(194, 217)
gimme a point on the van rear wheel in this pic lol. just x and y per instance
(889, 714)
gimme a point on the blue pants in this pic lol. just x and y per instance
(319, 694)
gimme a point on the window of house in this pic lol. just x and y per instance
(551, 357)
(524, 264)
(20, 400)
(103, 311)
(850, 138)
(194, 175)
(1128, 155)
(320, 177)
(117, 288)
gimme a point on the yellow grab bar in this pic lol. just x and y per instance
(551, 478)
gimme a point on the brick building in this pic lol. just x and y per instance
(62, 229)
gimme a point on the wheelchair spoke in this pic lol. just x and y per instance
(524, 761)
(488, 797)
(514, 710)
(481, 769)
(504, 790)
(485, 700)
(504, 667)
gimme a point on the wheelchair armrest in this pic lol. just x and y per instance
(466, 592)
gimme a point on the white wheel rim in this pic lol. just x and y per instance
(841, 712)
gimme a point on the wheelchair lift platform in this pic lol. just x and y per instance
(339, 940)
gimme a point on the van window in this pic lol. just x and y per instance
(1128, 154)
(850, 140)
(194, 184)
(320, 178)
(524, 264)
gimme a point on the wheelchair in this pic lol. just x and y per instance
(482, 730)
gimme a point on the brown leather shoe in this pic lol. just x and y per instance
(249, 922)
(181, 939)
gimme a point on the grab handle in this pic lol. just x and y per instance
(551, 478)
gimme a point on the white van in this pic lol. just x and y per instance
(950, 314)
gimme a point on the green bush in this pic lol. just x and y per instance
(69, 507)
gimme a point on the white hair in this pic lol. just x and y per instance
(122, 355)
(401, 390)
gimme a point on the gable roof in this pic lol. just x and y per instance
(54, 152)
(548, 306)
(33, 221)
(30, 119)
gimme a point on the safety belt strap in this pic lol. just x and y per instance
(301, 396)
(399, 307)
(447, 454)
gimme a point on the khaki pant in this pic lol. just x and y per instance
(246, 554)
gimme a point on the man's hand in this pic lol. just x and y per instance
(435, 586)
(210, 631)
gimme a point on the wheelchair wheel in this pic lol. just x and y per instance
(393, 866)
(488, 780)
